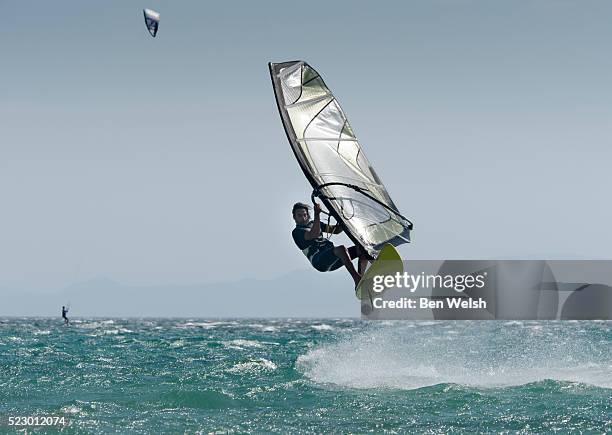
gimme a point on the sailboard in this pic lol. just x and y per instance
(388, 263)
(333, 160)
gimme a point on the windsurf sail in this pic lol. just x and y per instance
(151, 20)
(333, 160)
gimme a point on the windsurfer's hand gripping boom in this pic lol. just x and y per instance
(317, 228)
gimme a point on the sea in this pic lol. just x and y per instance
(304, 376)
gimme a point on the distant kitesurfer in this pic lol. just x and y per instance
(322, 253)
(64, 314)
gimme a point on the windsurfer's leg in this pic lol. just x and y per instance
(358, 252)
(342, 253)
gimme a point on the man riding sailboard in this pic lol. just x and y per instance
(342, 178)
(321, 252)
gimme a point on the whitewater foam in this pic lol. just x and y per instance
(486, 354)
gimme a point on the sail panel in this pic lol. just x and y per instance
(332, 158)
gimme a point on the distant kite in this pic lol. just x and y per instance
(151, 20)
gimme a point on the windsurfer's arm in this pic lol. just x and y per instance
(315, 230)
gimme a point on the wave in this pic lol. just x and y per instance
(254, 365)
(203, 399)
(242, 343)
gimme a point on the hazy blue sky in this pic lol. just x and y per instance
(163, 161)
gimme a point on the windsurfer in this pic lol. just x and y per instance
(322, 253)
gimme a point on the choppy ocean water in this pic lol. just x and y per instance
(303, 376)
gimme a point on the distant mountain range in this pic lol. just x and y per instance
(296, 294)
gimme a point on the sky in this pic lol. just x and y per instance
(164, 162)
